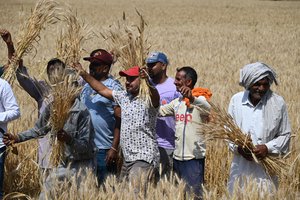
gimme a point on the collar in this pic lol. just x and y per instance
(246, 100)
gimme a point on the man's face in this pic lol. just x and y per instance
(55, 73)
(98, 70)
(180, 80)
(259, 89)
(132, 85)
(156, 68)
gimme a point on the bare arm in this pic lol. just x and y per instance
(154, 95)
(116, 140)
(96, 85)
(112, 154)
(155, 98)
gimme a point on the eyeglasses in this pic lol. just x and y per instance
(151, 65)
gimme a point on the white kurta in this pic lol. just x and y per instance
(250, 119)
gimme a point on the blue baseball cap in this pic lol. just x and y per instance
(156, 56)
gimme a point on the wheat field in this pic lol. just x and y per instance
(216, 37)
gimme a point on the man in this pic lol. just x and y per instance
(157, 63)
(263, 114)
(189, 153)
(137, 137)
(104, 113)
(38, 90)
(77, 135)
(9, 110)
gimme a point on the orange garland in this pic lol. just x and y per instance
(196, 92)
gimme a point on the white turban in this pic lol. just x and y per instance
(254, 72)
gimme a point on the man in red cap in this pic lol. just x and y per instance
(138, 135)
(104, 113)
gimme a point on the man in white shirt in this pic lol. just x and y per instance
(9, 110)
(261, 113)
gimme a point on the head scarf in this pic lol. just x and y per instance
(254, 72)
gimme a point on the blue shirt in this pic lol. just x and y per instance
(102, 112)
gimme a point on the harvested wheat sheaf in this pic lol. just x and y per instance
(223, 127)
(130, 46)
(70, 41)
(63, 93)
(44, 13)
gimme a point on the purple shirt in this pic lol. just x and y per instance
(165, 126)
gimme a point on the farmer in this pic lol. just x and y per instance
(9, 110)
(105, 114)
(77, 135)
(138, 137)
(38, 90)
(261, 113)
(157, 63)
(189, 153)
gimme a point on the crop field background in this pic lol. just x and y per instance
(216, 37)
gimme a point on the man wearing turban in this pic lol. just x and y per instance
(262, 114)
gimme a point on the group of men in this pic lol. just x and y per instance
(106, 119)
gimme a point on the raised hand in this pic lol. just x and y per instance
(78, 67)
(144, 73)
(187, 93)
(5, 34)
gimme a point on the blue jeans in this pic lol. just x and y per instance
(103, 170)
(2, 158)
(192, 172)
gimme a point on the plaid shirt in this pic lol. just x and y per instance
(138, 135)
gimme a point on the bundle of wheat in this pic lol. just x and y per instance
(130, 46)
(43, 13)
(63, 94)
(223, 127)
(70, 42)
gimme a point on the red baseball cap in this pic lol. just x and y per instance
(133, 71)
(100, 56)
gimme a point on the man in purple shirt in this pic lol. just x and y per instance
(157, 63)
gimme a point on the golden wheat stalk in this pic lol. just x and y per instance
(63, 93)
(129, 45)
(42, 14)
(70, 42)
(223, 127)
